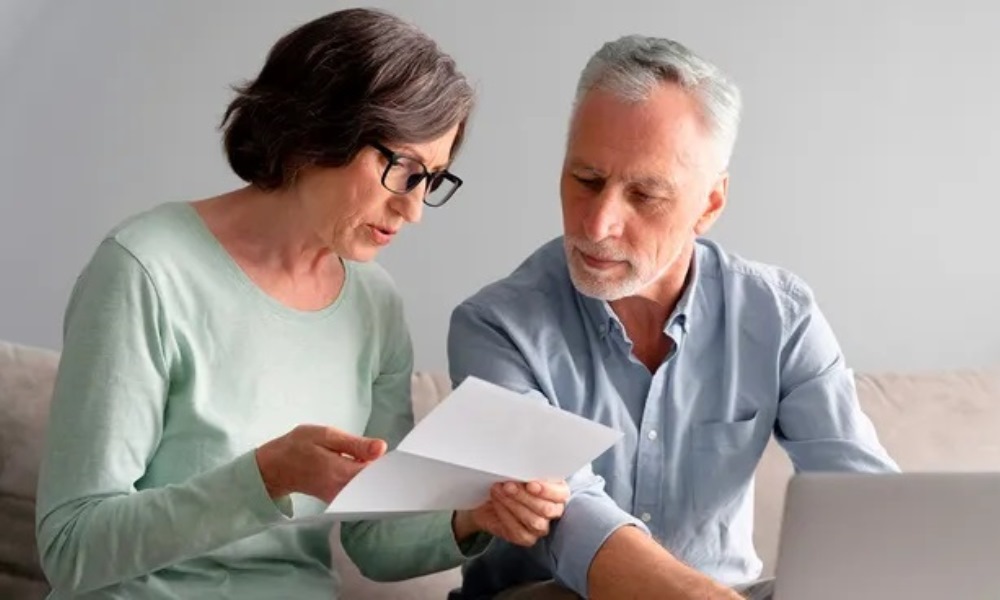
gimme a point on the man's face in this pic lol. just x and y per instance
(640, 182)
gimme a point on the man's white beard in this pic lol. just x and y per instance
(596, 284)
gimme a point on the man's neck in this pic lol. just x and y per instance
(645, 314)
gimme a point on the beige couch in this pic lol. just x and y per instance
(932, 421)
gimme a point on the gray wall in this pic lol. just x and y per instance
(865, 164)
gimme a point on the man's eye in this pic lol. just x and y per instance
(594, 184)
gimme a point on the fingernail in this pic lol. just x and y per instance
(374, 447)
(511, 489)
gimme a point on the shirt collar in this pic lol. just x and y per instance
(605, 320)
(682, 314)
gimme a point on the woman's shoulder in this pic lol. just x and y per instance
(160, 243)
(374, 277)
(374, 283)
(162, 228)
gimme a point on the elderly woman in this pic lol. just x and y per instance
(223, 358)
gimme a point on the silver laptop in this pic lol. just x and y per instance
(912, 536)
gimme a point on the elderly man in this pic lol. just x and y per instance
(635, 320)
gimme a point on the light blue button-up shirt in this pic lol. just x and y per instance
(753, 356)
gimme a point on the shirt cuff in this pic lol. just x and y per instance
(587, 523)
(475, 545)
(471, 547)
(246, 476)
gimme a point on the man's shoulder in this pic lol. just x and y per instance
(539, 286)
(755, 282)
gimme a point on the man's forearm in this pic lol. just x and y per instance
(631, 565)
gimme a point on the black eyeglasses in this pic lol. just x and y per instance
(404, 173)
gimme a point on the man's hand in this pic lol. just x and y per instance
(314, 460)
(517, 512)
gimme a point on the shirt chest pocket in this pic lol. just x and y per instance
(723, 457)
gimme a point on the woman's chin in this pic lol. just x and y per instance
(362, 253)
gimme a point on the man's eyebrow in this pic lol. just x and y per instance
(578, 165)
(655, 182)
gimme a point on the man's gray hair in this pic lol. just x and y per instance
(632, 66)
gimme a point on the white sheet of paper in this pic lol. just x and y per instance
(479, 435)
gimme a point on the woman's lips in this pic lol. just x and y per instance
(382, 235)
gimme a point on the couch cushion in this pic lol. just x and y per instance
(26, 378)
(937, 422)
(947, 421)
(428, 388)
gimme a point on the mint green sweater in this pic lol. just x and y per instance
(175, 367)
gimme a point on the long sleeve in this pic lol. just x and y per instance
(477, 346)
(395, 549)
(820, 422)
(94, 527)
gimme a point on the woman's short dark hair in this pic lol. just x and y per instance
(336, 84)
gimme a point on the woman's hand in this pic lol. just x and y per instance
(314, 460)
(517, 512)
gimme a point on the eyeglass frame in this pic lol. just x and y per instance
(392, 159)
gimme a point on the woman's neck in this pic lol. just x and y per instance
(270, 229)
(268, 236)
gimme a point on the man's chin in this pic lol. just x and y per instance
(602, 295)
(601, 289)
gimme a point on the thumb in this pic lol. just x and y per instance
(371, 448)
(364, 448)
(359, 448)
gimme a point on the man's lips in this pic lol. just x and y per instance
(597, 263)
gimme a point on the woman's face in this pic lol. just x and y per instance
(352, 213)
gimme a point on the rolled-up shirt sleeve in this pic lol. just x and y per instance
(479, 346)
(820, 422)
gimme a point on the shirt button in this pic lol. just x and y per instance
(646, 517)
(652, 434)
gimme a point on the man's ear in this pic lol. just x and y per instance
(717, 196)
